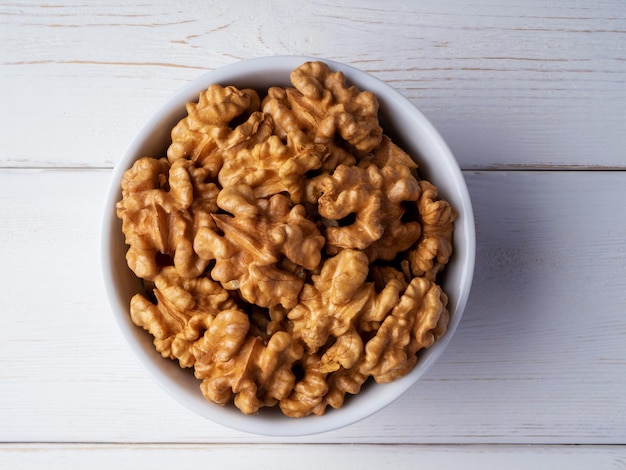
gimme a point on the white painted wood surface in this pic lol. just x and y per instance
(524, 83)
(264, 457)
(536, 373)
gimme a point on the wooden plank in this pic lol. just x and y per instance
(539, 357)
(278, 457)
(525, 85)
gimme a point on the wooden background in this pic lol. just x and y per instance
(531, 99)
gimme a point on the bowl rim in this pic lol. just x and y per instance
(464, 252)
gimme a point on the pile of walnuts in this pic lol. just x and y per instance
(289, 248)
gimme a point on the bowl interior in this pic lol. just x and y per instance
(407, 126)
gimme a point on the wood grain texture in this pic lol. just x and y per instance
(539, 357)
(314, 457)
(517, 85)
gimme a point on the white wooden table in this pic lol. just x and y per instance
(530, 97)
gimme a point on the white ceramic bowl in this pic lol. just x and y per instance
(408, 127)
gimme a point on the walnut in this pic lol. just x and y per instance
(434, 248)
(416, 322)
(308, 394)
(272, 167)
(288, 247)
(336, 319)
(295, 126)
(161, 209)
(259, 234)
(205, 135)
(318, 389)
(332, 304)
(322, 110)
(349, 193)
(363, 207)
(333, 109)
(256, 374)
(184, 308)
